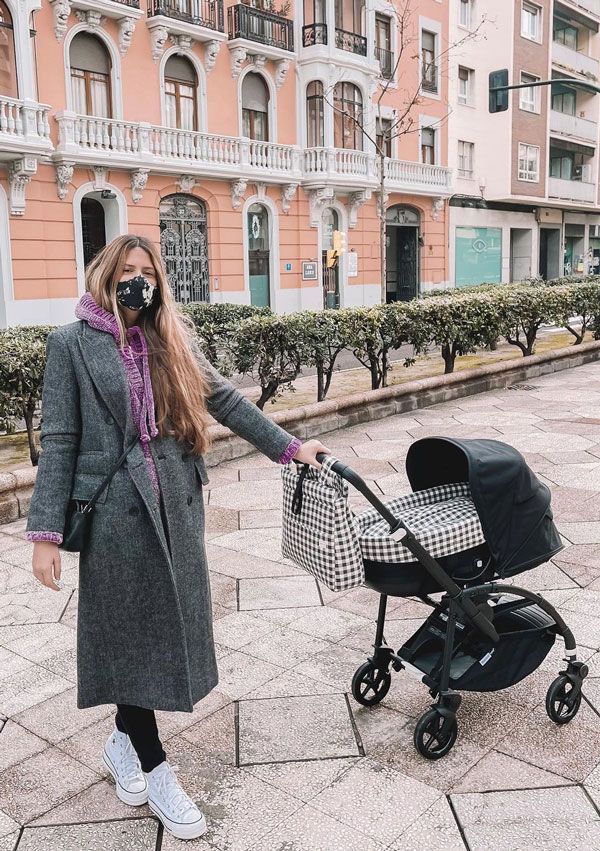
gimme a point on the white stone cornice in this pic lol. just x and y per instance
(238, 189)
(259, 60)
(139, 179)
(288, 192)
(100, 177)
(182, 42)
(186, 183)
(91, 17)
(64, 176)
(20, 173)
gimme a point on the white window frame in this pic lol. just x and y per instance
(465, 5)
(468, 100)
(536, 10)
(466, 173)
(535, 102)
(525, 174)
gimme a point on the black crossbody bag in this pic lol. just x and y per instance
(79, 514)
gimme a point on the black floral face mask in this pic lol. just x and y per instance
(136, 293)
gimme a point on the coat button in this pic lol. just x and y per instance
(160, 457)
(134, 510)
(109, 419)
(184, 456)
(190, 500)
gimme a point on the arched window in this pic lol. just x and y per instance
(8, 65)
(93, 227)
(184, 246)
(315, 131)
(90, 76)
(259, 258)
(181, 93)
(347, 116)
(255, 107)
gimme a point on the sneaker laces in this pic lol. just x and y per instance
(130, 764)
(168, 785)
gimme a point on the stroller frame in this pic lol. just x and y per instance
(436, 730)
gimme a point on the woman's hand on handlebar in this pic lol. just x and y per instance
(46, 563)
(307, 453)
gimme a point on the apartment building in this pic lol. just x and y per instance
(238, 136)
(525, 196)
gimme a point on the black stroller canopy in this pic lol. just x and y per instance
(512, 504)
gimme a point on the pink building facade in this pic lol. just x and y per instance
(226, 135)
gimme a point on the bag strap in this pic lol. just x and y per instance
(297, 497)
(106, 481)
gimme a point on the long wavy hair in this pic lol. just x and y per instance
(178, 384)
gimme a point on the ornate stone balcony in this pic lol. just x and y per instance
(24, 128)
(186, 22)
(418, 178)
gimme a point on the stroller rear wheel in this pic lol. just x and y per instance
(563, 700)
(435, 734)
(370, 684)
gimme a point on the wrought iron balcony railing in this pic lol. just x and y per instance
(352, 42)
(314, 34)
(202, 13)
(261, 26)
(386, 62)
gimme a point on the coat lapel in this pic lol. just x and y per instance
(106, 369)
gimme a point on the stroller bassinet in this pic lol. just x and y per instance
(477, 515)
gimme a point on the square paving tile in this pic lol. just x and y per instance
(7, 825)
(32, 606)
(303, 780)
(497, 771)
(286, 647)
(539, 818)
(40, 783)
(97, 803)
(376, 800)
(334, 666)
(280, 593)
(240, 628)
(330, 624)
(215, 735)
(130, 835)
(16, 744)
(259, 543)
(292, 684)
(240, 565)
(240, 674)
(28, 686)
(9, 842)
(311, 830)
(317, 727)
(58, 717)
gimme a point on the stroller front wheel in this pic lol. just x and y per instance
(435, 734)
(370, 684)
(563, 700)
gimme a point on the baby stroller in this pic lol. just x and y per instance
(477, 515)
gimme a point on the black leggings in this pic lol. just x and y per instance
(140, 726)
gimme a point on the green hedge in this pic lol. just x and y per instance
(273, 349)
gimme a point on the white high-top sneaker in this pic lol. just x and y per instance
(172, 805)
(122, 761)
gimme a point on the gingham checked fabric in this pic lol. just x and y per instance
(443, 519)
(322, 537)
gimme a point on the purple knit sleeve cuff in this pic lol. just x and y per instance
(54, 537)
(291, 450)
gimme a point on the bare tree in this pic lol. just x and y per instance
(408, 99)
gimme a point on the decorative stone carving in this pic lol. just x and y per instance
(211, 51)
(126, 30)
(238, 188)
(20, 173)
(437, 207)
(281, 69)
(91, 17)
(288, 191)
(186, 182)
(382, 201)
(64, 175)
(61, 9)
(238, 57)
(261, 191)
(259, 61)
(182, 42)
(100, 177)
(139, 179)
(158, 40)
(356, 201)
(319, 198)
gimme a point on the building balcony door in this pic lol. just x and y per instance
(184, 247)
(402, 255)
(259, 256)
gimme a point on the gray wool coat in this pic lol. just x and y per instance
(144, 625)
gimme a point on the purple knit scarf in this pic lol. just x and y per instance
(142, 399)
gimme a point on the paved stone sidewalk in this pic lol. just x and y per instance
(279, 756)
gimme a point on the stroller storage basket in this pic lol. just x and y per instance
(527, 635)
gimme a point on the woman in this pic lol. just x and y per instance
(130, 366)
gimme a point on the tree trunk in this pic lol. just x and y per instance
(28, 412)
(320, 383)
(449, 355)
(267, 392)
(382, 229)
